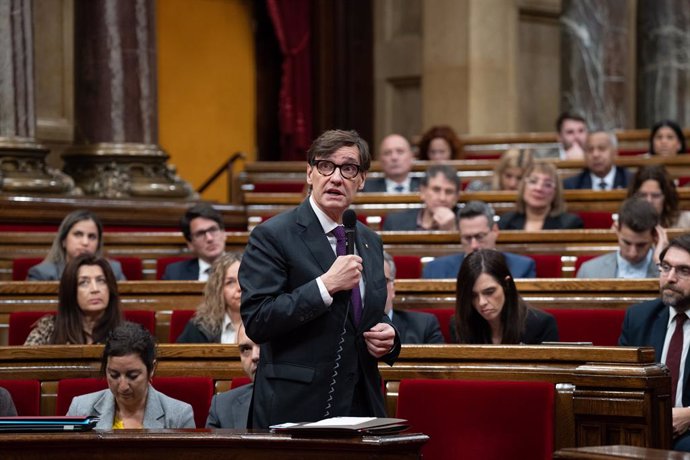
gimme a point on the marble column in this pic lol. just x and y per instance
(595, 61)
(663, 61)
(22, 159)
(116, 152)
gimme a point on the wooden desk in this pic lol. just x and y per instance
(619, 452)
(204, 444)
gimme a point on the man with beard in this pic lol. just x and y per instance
(662, 324)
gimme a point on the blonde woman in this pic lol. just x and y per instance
(217, 319)
(507, 173)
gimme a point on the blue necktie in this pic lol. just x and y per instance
(399, 188)
(356, 299)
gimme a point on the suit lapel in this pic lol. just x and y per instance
(104, 408)
(365, 248)
(154, 415)
(313, 237)
(193, 269)
(658, 333)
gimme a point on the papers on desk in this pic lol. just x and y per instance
(47, 423)
(343, 426)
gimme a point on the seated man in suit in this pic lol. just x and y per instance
(439, 193)
(396, 159)
(638, 230)
(413, 326)
(662, 324)
(478, 231)
(230, 409)
(601, 172)
(203, 228)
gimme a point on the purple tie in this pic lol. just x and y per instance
(356, 299)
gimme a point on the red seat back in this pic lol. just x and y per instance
(548, 265)
(581, 260)
(462, 418)
(146, 318)
(164, 262)
(408, 267)
(132, 268)
(21, 323)
(69, 388)
(443, 315)
(26, 395)
(21, 266)
(196, 391)
(178, 320)
(596, 219)
(600, 326)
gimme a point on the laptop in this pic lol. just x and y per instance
(47, 423)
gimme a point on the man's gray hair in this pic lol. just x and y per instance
(477, 208)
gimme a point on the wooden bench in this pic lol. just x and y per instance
(589, 379)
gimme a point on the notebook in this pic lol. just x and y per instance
(47, 423)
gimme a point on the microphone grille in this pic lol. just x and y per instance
(349, 219)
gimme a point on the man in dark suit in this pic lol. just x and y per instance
(396, 159)
(662, 324)
(413, 326)
(320, 339)
(601, 172)
(439, 193)
(230, 409)
(478, 230)
(202, 227)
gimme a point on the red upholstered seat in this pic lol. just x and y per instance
(239, 381)
(596, 219)
(443, 315)
(21, 322)
(196, 391)
(581, 260)
(164, 262)
(26, 395)
(600, 326)
(408, 267)
(178, 320)
(21, 266)
(548, 265)
(485, 420)
(132, 267)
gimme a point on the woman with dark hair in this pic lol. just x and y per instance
(128, 363)
(217, 319)
(654, 184)
(88, 305)
(488, 308)
(540, 204)
(666, 139)
(80, 232)
(440, 143)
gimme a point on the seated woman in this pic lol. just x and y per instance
(540, 204)
(654, 184)
(218, 318)
(88, 305)
(80, 232)
(489, 309)
(507, 173)
(666, 139)
(128, 362)
(440, 143)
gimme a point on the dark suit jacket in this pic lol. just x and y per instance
(584, 180)
(230, 409)
(193, 333)
(378, 184)
(300, 336)
(449, 266)
(645, 325)
(417, 327)
(184, 270)
(539, 327)
(516, 221)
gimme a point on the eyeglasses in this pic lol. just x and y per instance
(650, 195)
(212, 231)
(327, 168)
(547, 184)
(682, 271)
(479, 237)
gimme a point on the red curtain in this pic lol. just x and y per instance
(292, 23)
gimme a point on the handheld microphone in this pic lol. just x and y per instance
(350, 224)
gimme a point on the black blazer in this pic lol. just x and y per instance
(184, 270)
(299, 336)
(583, 180)
(417, 327)
(645, 325)
(193, 333)
(516, 221)
(378, 184)
(539, 327)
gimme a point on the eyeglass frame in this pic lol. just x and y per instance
(316, 163)
(214, 230)
(682, 271)
(479, 237)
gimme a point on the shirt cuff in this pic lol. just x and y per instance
(325, 296)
